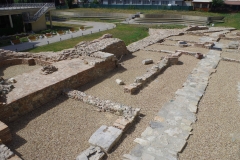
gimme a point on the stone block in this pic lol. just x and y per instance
(199, 55)
(147, 61)
(130, 89)
(182, 44)
(92, 153)
(199, 45)
(122, 123)
(5, 134)
(172, 60)
(119, 81)
(105, 137)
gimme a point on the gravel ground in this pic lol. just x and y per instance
(224, 41)
(150, 99)
(232, 55)
(216, 134)
(185, 37)
(174, 48)
(11, 71)
(61, 128)
(58, 130)
(169, 42)
(232, 33)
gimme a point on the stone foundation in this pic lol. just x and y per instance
(5, 134)
(33, 89)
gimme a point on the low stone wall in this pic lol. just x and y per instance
(146, 78)
(5, 134)
(211, 29)
(105, 137)
(156, 35)
(127, 112)
(109, 45)
(230, 60)
(20, 103)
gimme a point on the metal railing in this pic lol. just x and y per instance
(38, 14)
(25, 5)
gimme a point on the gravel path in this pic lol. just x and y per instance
(58, 130)
(224, 41)
(11, 71)
(157, 92)
(174, 48)
(169, 42)
(185, 37)
(233, 55)
(216, 134)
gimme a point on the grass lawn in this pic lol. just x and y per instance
(130, 33)
(98, 20)
(231, 19)
(127, 33)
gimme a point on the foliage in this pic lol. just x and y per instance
(95, 2)
(217, 3)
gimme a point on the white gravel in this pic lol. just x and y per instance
(216, 134)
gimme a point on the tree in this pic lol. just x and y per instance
(217, 3)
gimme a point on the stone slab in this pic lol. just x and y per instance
(92, 153)
(105, 137)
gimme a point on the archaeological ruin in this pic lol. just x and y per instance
(105, 100)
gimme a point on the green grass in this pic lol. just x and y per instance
(97, 20)
(127, 33)
(168, 26)
(231, 19)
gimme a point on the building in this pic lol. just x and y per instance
(144, 2)
(21, 17)
(232, 2)
(202, 5)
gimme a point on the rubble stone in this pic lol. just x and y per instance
(48, 69)
(119, 81)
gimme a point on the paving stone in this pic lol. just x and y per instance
(154, 125)
(141, 141)
(146, 156)
(105, 137)
(92, 153)
(137, 150)
(130, 157)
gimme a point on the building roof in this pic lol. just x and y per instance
(206, 1)
(232, 2)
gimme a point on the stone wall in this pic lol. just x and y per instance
(18, 107)
(5, 134)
